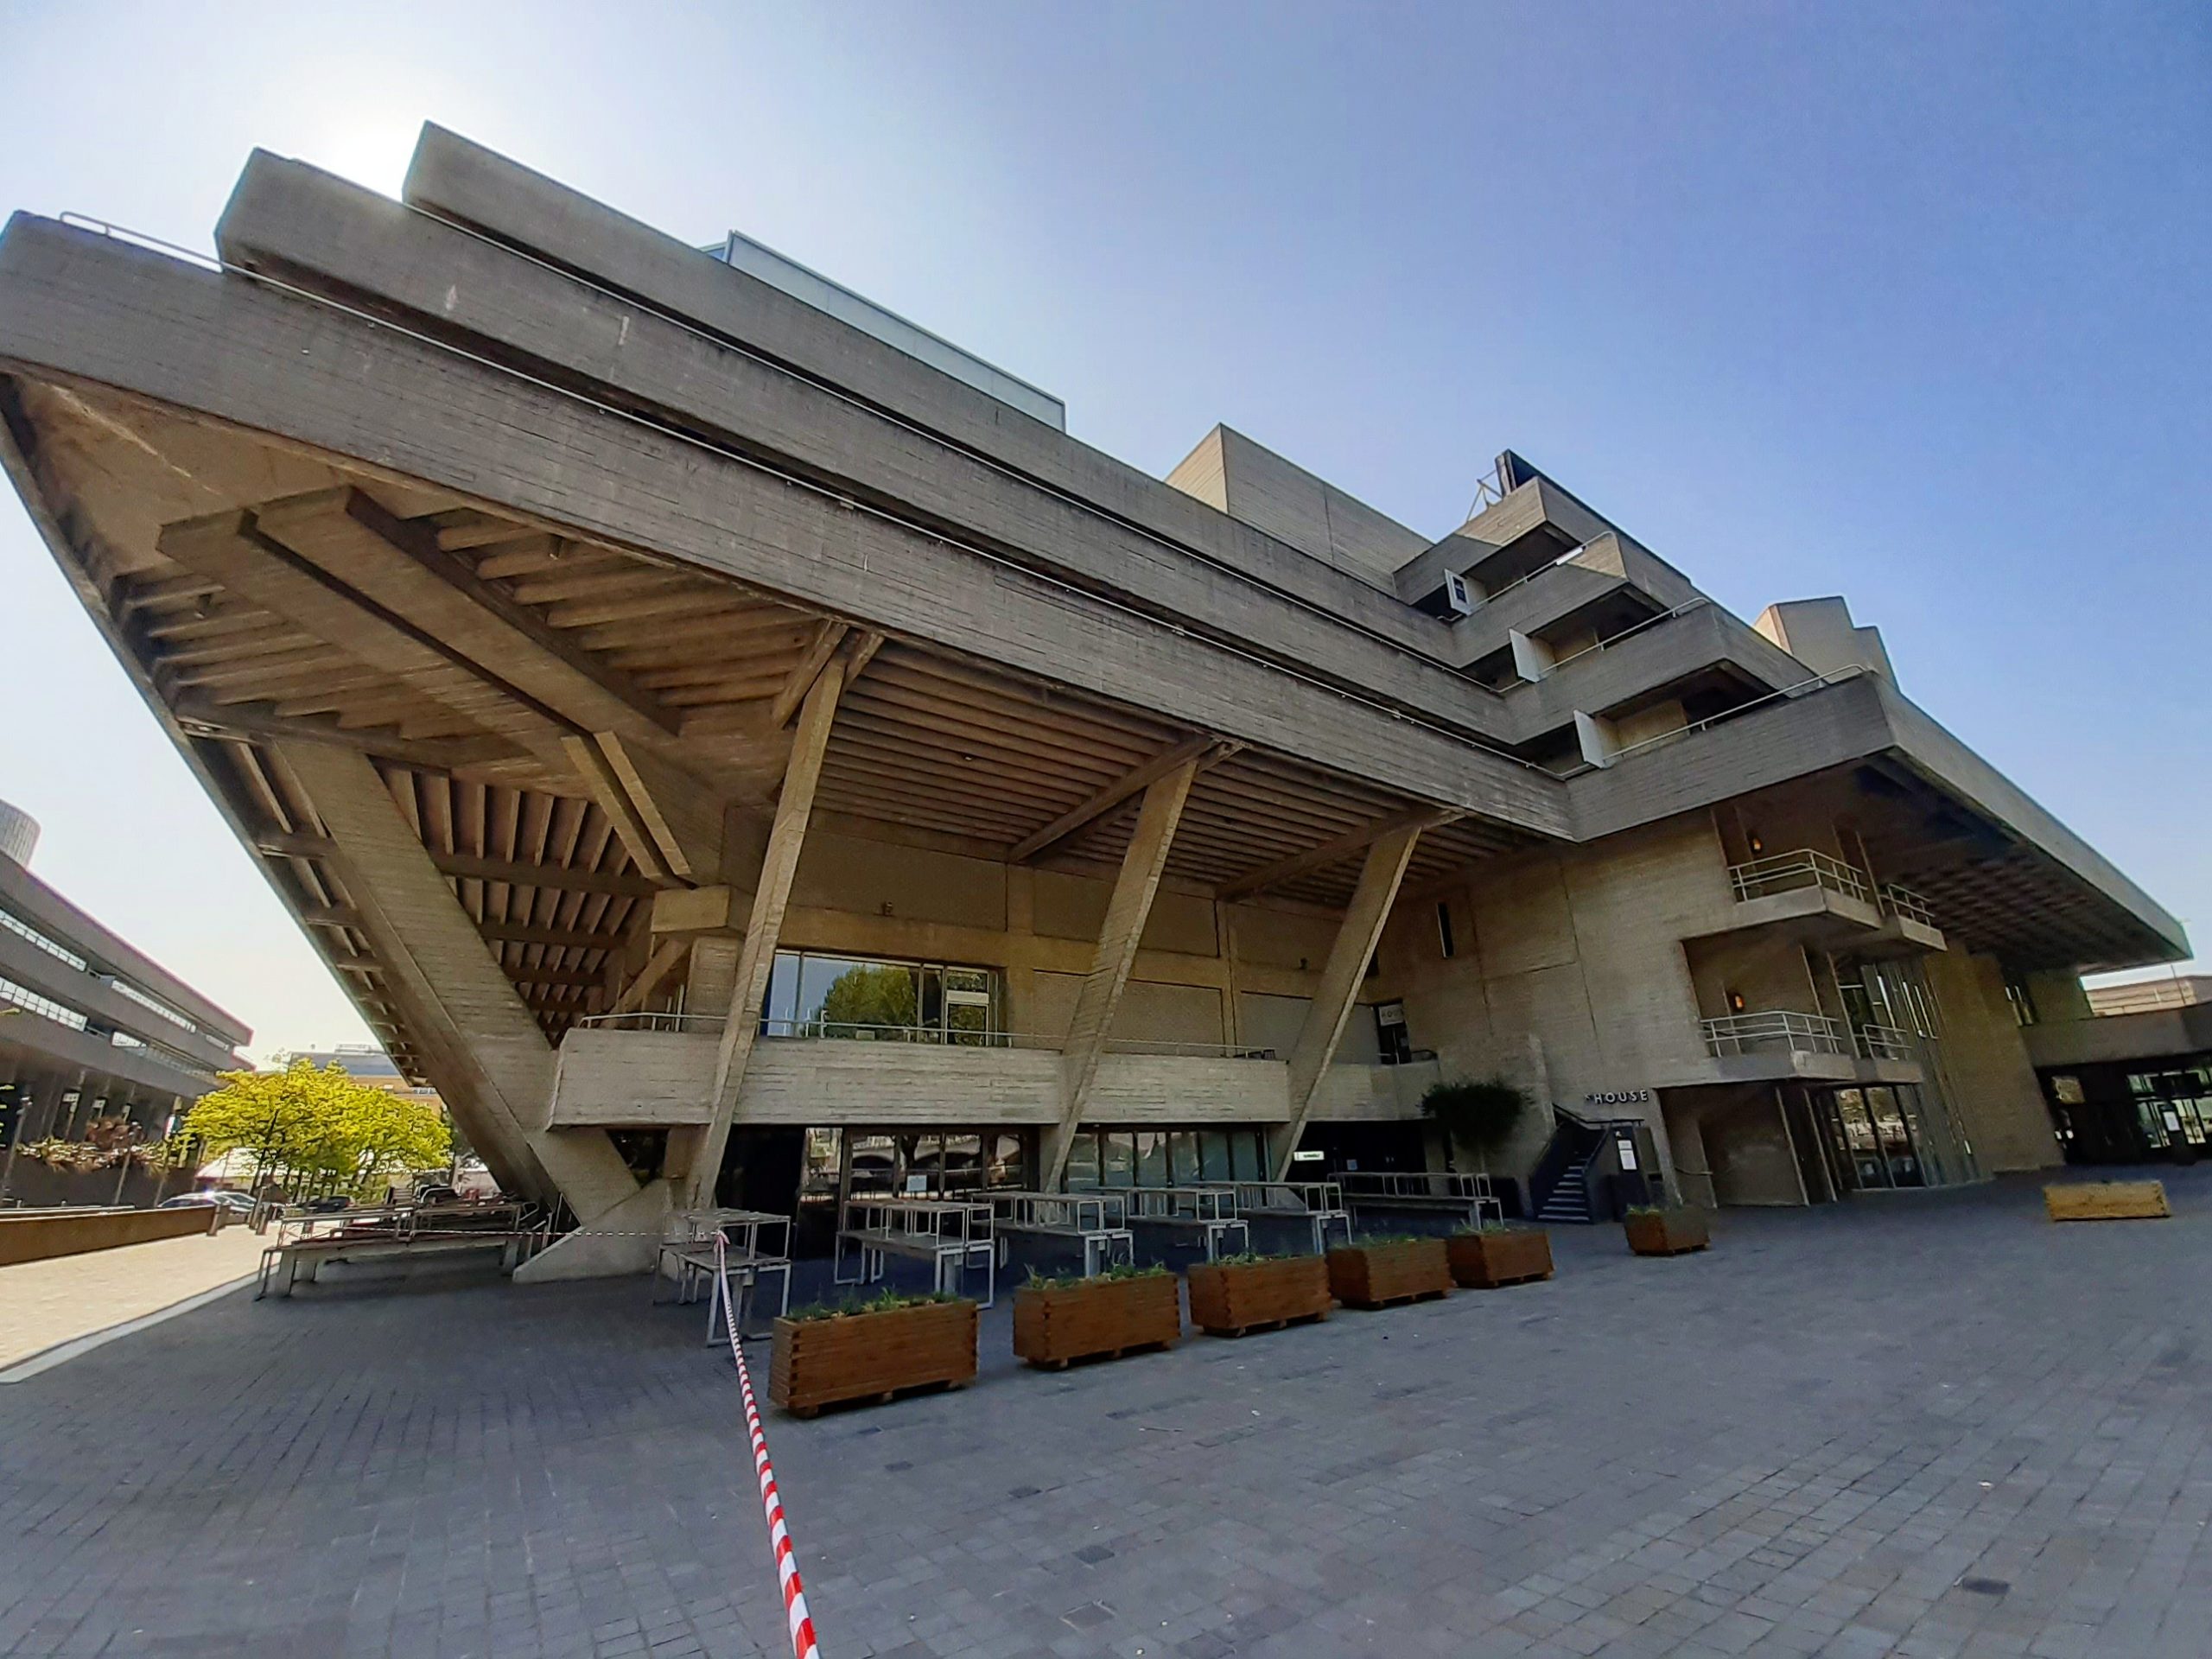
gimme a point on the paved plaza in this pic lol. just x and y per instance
(46, 1304)
(1929, 1425)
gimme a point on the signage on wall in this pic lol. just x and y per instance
(1620, 1097)
(1626, 1149)
(1389, 1014)
(1307, 1155)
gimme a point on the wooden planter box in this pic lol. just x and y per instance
(821, 1362)
(1055, 1324)
(1375, 1276)
(1227, 1300)
(1667, 1232)
(1486, 1260)
(2107, 1201)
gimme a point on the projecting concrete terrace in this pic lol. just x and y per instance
(1938, 1426)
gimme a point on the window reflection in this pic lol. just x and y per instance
(868, 999)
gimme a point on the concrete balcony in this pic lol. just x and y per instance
(1823, 901)
(615, 1075)
(1785, 1045)
(1776, 1044)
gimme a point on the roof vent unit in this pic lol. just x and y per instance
(1454, 599)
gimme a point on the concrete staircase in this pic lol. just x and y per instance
(1569, 1201)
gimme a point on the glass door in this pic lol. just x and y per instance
(1851, 1131)
(1895, 1137)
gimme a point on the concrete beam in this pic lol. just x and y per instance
(231, 548)
(1333, 851)
(401, 567)
(1142, 864)
(757, 956)
(1350, 951)
(481, 1044)
(1203, 750)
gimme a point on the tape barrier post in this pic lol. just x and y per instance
(771, 1502)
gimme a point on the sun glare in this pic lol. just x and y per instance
(371, 150)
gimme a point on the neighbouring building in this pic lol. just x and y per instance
(90, 1028)
(2126, 1069)
(730, 739)
(371, 1067)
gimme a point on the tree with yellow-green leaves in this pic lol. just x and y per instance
(319, 1127)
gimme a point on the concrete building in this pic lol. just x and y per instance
(726, 738)
(91, 1028)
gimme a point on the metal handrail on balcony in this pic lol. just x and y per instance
(1906, 905)
(1773, 1028)
(937, 1036)
(652, 1020)
(1788, 872)
(1885, 1043)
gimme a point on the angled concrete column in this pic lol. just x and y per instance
(1357, 935)
(488, 1056)
(770, 895)
(1141, 868)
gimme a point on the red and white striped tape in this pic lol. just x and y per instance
(772, 1503)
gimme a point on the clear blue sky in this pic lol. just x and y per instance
(1910, 302)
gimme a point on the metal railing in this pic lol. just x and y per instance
(1886, 1043)
(1771, 1029)
(1631, 631)
(818, 1030)
(652, 1019)
(1906, 905)
(1793, 871)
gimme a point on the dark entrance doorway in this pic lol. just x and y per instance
(1350, 1148)
(760, 1171)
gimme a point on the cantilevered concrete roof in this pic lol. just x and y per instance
(660, 489)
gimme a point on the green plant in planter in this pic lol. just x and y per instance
(884, 1302)
(1068, 1281)
(1480, 1114)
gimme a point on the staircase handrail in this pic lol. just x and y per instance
(1573, 1134)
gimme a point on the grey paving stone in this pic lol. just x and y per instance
(1803, 1442)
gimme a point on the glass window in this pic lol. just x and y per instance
(782, 1007)
(1182, 1157)
(1152, 1158)
(876, 1166)
(1083, 1161)
(964, 1163)
(1248, 1154)
(1008, 1165)
(1117, 1158)
(870, 1000)
(860, 998)
(1213, 1156)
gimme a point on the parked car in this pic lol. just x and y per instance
(435, 1193)
(236, 1203)
(329, 1205)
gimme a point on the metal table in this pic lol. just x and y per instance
(1466, 1199)
(954, 1235)
(1308, 1214)
(689, 1258)
(1196, 1220)
(1094, 1224)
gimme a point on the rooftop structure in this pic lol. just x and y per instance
(726, 748)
